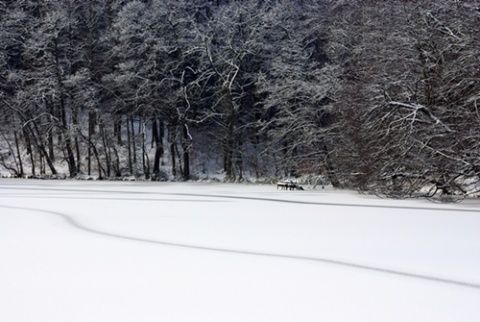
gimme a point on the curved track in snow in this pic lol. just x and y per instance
(76, 224)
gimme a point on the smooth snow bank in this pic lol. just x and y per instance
(101, 251)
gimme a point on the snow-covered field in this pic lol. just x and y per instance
(137, 252)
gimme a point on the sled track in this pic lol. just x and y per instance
(72, 222)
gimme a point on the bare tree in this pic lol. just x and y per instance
(299, 86)
(405, 98)
(229, 38)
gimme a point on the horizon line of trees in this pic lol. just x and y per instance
(374, 95)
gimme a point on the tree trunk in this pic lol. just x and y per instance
(28, 144)
(331, 173)
(145, 159)
(133, 141)
(129, 149)
(76, 143)
(17, 147)
(171, 142)
(63, 111)
(107, 151)
(92, 123)
(229, 140)
(40, 147)
(117, 128)
(51, 151)
(186, 154)
(157, 137)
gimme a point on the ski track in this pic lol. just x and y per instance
(74, 223)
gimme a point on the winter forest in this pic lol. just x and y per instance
(376, 95)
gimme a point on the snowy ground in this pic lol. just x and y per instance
(116, 251)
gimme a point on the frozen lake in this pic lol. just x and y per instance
(126, 251)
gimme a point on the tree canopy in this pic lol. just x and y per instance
(378, 96)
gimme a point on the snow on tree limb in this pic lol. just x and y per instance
(420, 108)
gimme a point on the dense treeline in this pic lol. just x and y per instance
(378, 95)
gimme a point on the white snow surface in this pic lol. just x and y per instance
(137, 252)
